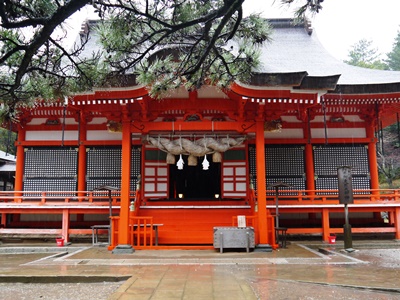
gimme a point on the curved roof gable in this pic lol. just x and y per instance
(295, 48)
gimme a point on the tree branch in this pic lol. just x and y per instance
(60, 16)
(232, 9)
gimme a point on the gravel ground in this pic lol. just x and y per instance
(58, 291)
(292, 290)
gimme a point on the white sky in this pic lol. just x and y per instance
(342, 23)
(339, 25)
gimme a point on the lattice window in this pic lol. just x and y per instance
(44, 185)
(104, 167)
(327, 158)
(283, 163)
(234, 182)
(50, 162)
(252, 162)
(50, 169)
(156, 179)
(104, 162)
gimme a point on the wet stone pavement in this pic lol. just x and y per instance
(304, 270)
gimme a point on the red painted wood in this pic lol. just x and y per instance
(190, 226)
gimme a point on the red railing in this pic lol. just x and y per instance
(53, 197)
(285, 196)
(141, 232)
(332, 196)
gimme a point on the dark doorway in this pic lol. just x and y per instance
(192, 182)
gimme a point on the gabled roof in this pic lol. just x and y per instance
(296, 48)
(6, 157)
(7, 162)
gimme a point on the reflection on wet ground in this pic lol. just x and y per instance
(304, 270)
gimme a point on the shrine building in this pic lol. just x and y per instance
(196, 160)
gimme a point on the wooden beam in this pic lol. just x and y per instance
(183, 126)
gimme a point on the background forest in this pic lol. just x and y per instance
(363, 54)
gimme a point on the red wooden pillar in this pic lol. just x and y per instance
(325, 225)
(373, 161)
(397, 223)
(261, 184)
(309, 165)
(65, 225)
(3, 220)
(82, 155)
(310, 182)
(19, 168)
(81, 161)
(123, 226)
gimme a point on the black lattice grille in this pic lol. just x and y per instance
(331, 183)
(298, 183)
(104, 162)
(104, 167)
(252, 160)
(283, 163)
(327, 159)
(50, 162)
(136, 159)
(95, 183)
(50, 169)
(48, 184)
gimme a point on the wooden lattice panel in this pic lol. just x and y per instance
(327, 158)
(50, 169)
(41, 162)
(104, 167)
(234, 182)
(155, 180)
(283, 163)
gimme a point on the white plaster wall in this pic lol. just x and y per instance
(103, 135)
(338, 133)
(54, 135)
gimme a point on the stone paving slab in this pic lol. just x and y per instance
(208, 274)
(297, 254)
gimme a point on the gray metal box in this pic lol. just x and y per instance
(234, 237)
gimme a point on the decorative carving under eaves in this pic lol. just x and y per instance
(273, 126)
(113, 126)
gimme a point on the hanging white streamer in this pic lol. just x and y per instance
(205, 163)
(180, 163)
